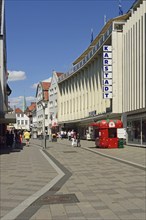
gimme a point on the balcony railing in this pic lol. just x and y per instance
(79, 65)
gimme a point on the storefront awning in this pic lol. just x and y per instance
(8, 118)
(89, 120)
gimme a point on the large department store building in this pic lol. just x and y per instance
(108, 80)
(134, 74)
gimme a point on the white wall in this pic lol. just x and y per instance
(134, 60)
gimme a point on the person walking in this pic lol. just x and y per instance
(78, 140)
(27, 137)
(17, 139)
(74, 140)
(9, 139)
(69, 135)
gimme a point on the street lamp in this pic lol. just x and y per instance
(44, 133)
(50, 135)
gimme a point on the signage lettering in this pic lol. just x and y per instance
(107, 72)
(107, 75)
(107, 48)
(107, 61)
(107, 55)
(107, 82)
(107, 95)
(107, 68)
(107, 88)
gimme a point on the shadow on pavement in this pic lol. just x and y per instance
(8, 150)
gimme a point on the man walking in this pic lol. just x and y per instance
(78, 140)
(27, 137)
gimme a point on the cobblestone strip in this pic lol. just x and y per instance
(38, 203)
(25, 204)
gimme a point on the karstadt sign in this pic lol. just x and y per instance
(107, 72)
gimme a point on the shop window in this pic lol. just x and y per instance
(134, 131)
(144, 131)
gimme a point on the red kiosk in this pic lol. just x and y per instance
(107, 133)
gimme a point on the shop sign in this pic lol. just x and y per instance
(111, 124)
(107, 72)
(121, 133)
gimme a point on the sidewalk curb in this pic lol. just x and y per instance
(117, 159)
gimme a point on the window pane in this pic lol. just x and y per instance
(144, 131)
(134, 132)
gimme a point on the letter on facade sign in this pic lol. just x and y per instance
(107, 75)
(107, 88)
(106, 62)
(106, 68)
(107, 95)
(106, 48)
(107, 81)
(106, 55)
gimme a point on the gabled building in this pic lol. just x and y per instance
(29, 111)
(22, 120)
(42, 107)
(53, 102)
(34, 124)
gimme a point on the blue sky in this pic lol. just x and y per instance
(45, 35)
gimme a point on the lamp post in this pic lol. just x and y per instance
(50, 135)
(44, 133)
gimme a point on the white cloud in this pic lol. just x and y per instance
(47, 80)
(16, 75)
(31, 99)
(18, 101)
(34, 86)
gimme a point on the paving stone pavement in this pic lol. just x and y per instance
(85, 184)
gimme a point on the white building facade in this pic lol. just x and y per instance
(97, 87)
(22, 122)
(134, 75)
(42, 108)
(53, 102)
(82, 92)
